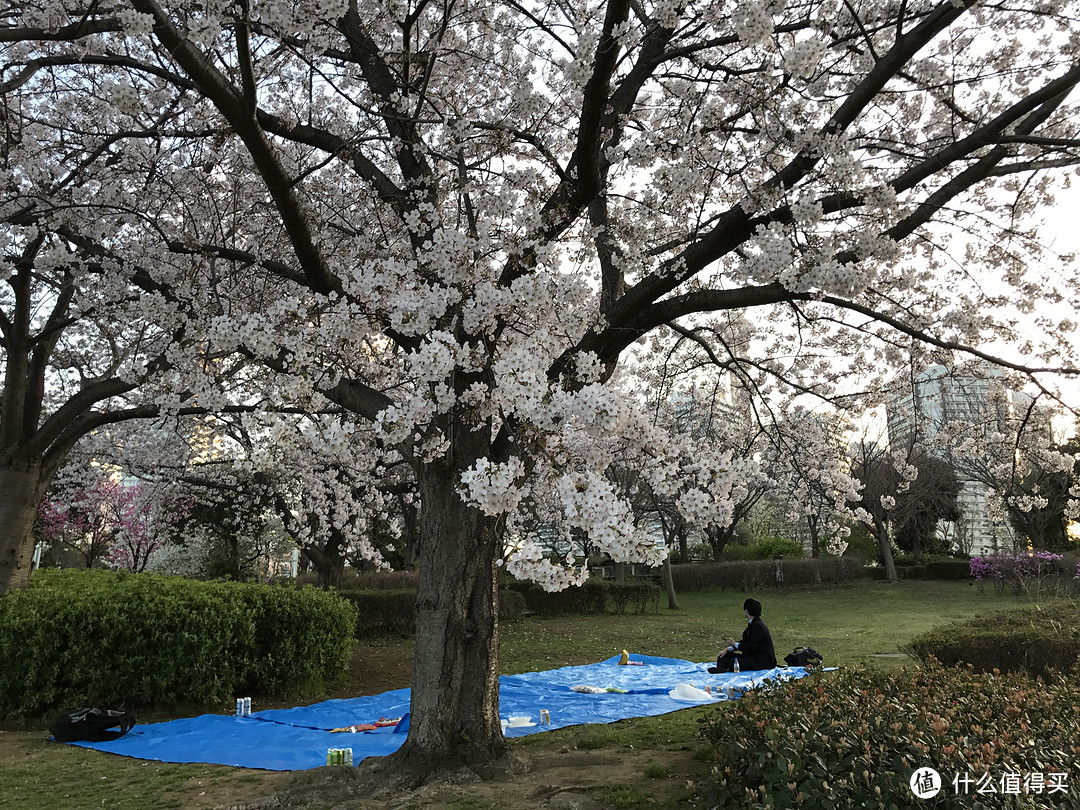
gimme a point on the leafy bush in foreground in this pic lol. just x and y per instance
(115, 639)
(853, 739)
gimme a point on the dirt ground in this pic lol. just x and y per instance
(556, 773)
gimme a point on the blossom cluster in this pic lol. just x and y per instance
(802, 58)
(529, 562)
(753, 22)
(492, 487)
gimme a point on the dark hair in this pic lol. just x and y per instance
(752, 606)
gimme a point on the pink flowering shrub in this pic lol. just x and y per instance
(1032, 573)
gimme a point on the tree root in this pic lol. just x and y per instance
(378, 782)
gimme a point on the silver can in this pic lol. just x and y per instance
(247, 706)
(239, 707)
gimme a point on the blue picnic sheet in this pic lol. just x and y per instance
(298, 738)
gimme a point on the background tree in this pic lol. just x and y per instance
(809, 464)
(881, 479)
(1007, 444)
(453, 220)
(75, 346)
(924, 504)
(80, 522)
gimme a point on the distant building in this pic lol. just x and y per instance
(937, 398)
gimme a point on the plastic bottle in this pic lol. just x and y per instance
(736, 664)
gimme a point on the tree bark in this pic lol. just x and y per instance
(454, 720)
(329, 563)
(22, 485)
(669, 585)
(881, 532)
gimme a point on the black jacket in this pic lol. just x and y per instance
(756, 647)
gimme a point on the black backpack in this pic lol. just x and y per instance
(804, 657)
(91, 725)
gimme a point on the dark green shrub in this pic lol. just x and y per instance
(637, 594)
(386, 612)
(383, 612)
(853, 739)
(948, 569)
(590, 598)
(760, 574)
(765, 549)
(1034, 640)
(140, 640)
(384, 580)
(302, 639)
(511, 605)
(913, 571)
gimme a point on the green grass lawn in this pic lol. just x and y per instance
(849, 625)
(859, 624)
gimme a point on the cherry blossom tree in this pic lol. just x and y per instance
(80, 522)
(924, 503)
(74, 350)
(452, 219)
(881, 479)
(146, 516)
(809, 466)
(1008, 445)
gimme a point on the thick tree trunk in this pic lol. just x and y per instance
(454, 720)
(329, 563)
(21, 489)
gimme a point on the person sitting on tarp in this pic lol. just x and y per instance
(754, 650)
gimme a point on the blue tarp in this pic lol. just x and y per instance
(297, 739)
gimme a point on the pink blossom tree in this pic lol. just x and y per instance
(146, 517)
(452, 220)
(80, 522)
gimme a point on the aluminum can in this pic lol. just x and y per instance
(347, 756)
(247, 706)
(545, 717)
(731, 693)
(239, 707)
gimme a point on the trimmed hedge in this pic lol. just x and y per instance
(1035, 640)
(390, 612)
(383, 612)
(106, 638)
(756, 575)
(592, 598)
(639, 595)
(854, 738)
(948, 569)
(511, 605)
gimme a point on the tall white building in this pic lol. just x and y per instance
(940, 397)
